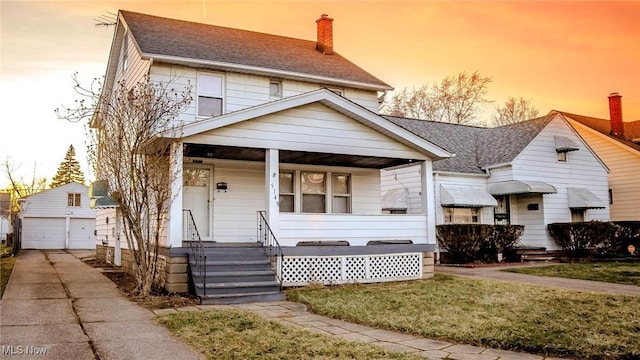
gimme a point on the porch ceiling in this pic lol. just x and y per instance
(292, 157)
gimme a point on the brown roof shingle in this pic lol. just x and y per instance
(190, 41)
(603, 126)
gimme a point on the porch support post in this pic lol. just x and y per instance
(272, 189)
(175, 211)
(428, 199)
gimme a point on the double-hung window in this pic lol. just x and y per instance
(341, 189)
(210, 99)
(287, 191)
(313, 192)
(73, 199)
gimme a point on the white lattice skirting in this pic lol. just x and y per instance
(305, 270)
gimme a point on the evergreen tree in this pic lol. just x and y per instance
(69, 170)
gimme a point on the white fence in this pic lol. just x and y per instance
(342, 269)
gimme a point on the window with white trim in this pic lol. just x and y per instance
(125, 52)
(210, 99)
(459, 215)
(562, 156)
(315, 192)
(287, 191)
(275, 89)
(341, 189)
(73, 199)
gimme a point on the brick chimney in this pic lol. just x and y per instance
(615, 112)
(325, 34)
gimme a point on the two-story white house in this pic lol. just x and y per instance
(531, 173)
(289, 128)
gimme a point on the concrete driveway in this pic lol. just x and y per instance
(57, 307)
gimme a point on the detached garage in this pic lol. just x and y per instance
(58, 218)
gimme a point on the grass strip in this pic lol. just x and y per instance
(6, 266)
(235, 334)
(489, 313)
(612, 272)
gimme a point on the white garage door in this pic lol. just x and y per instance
(81, 234)
(43, 233)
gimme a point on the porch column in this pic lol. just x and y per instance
(175, 210)
(428, 199)
(272, 189)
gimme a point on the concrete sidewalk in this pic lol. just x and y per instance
(57, 307)
(296, 315)
(494, 273)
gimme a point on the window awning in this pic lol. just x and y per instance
(583, 198)
(564, 144)
(466, 196)
(521, 187)
(395, 200)
(99, 195)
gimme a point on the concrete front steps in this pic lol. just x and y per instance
(536, 254)
(235, 274)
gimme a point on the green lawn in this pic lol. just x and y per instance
(490, 313)
(234, 334)
(6, 265)
(613, 272)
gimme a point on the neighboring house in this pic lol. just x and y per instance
(288, 127)
(617, 143)
(532, 173)
(58, 218)
(5, 216)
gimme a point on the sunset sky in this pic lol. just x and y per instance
(561, 55)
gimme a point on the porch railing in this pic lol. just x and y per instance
(270, 245)
(192, 235)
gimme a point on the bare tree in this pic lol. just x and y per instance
(456, 99)
(513, 111)
(19, 187)
(128, 151)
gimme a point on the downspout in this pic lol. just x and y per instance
(435, 185)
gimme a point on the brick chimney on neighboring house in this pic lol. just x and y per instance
(325, 34)
(615, 112)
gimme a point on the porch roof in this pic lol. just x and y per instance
(521, 187)
(292, 157)
(329, 99)
(583, 198)
(466, 196)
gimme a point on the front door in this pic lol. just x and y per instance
(502, 212)
(196, 197)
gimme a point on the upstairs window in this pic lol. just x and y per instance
(275, 89)
(562, 156)
(210, 89)
(73, 199)
(125, 52)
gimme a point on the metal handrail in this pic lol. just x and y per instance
(270, 244)
(192, 235)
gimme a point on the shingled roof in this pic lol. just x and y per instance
(185, 42)
(475, 147)
(603, 126)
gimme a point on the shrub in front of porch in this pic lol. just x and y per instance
(581, 239)
(466, 243)
(626, 233)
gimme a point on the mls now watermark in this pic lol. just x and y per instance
(23, 350)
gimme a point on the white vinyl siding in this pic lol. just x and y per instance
(312, 128)
(136, 69)
(242, 91)
(53, 203)
(624, 175)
